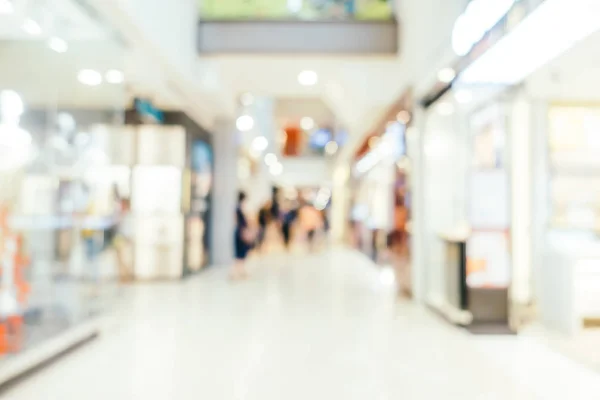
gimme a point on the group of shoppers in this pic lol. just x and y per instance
(251, 232)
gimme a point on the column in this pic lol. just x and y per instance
(224, 193)
(415, 144)
(340, 208)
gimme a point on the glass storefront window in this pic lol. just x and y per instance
(61, 80)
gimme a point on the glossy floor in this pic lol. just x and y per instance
(323, 326)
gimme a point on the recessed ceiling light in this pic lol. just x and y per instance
(270, 159)
(6, 7)
(89, 77)
(245, 123)
(58, 45)
(276, 169)
(331, 148)
(463, 96)
(307, 123)
(446, 75)
(32, 27)
(308, 78)
(115, 76)
(260, 143)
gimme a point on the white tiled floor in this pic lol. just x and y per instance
(305, 327)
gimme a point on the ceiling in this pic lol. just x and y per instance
(356, 90)
(292, 110)
(574, 76)
(50, 79)
(62, 18)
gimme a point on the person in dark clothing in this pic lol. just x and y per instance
(264, 217)
(286, 225)
(242, 239)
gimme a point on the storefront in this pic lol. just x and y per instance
(381, 194)
(507, 140)
(170, 227)
(60, 180)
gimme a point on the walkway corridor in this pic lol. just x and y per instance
(308, 327)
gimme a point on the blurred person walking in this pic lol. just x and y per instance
(289, 216)
(244, 237)
(264, 219)
(311, 221)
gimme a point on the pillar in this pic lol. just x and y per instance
(224, 193)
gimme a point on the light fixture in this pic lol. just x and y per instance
(463, 96)
(270, 159)
(445, 108)
(446, 75)
(535, 41)
(307, 123)
(254, 153)
(479, 18)
(89, 77)
(331, 148)
(247, 99)
(244, 123)
(308, 78)
(58, 45)
(403, 117)
(260, 143)
(32, 27)
(114, 76)
(6, 7)
(276, 169)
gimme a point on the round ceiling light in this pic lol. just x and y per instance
(245, 123)
(260, 143)
(276, 169)
(307, 123)
(446, 75)
(58, 45)
(308, 78)
(89, 77)
(331, 148)
(32, 27)
(114, 76)
(270, 159)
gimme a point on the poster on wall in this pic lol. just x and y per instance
(488, 259)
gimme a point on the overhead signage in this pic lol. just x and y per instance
(476, 21)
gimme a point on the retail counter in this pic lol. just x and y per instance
(483, 308)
